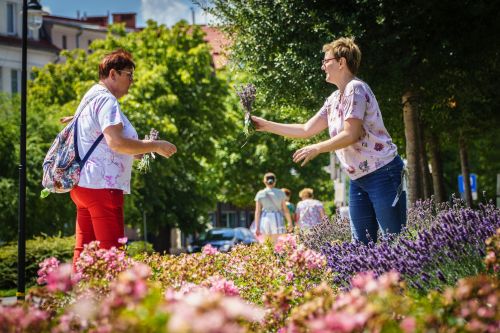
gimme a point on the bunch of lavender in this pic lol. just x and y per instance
(451, 248)
(247, 97)
(144, 164)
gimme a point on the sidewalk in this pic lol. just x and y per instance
(8, 300)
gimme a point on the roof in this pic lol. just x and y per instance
(43, 45)
(74, 23)
(218, 42)
(96, 23)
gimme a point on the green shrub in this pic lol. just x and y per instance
(37, 250)
(139, 247)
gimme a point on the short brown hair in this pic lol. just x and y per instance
(287, 191)
(117, 60)
(306, 193)
(345, 48)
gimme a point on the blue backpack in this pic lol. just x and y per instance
(62, 164)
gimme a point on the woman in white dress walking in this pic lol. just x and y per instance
(271, 209)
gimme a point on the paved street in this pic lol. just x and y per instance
(8, 300)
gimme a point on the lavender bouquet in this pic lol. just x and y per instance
(144, 164)
(247, 97)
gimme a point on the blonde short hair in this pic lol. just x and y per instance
(306, 193)
(345, 47)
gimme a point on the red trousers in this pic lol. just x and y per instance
(99, 216)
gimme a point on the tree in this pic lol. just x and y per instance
(409, 49)
(175, 91)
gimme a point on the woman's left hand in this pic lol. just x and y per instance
(306, 154)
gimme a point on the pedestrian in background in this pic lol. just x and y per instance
(271, 209)
(291, 209)
(309, 210)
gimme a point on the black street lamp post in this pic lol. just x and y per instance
(33, 12)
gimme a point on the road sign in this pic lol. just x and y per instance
(473, 183)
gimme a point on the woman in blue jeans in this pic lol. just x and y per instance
(360, 140)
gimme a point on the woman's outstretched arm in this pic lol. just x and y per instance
(301, 131)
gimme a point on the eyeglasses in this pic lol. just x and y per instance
(324, 61)
(129, 74)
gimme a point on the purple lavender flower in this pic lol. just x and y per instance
(450, 236)
(247, 97)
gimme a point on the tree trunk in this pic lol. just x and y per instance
(424, 162)
(464, 161)
(411, 134)
(437, 168)
(161, 240)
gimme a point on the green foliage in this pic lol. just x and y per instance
(139, 247)
(177, 92)
(420, 46)
(37, 250)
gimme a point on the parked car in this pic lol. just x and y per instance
(223, 239)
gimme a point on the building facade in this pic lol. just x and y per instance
(40, 50)
(57, 33)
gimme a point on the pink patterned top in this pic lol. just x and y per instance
(309, 212)
(105, 168)
(375, 148)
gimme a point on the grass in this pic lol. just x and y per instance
(8, 292)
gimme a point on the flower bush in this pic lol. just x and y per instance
(492, 259)
(383, 305)
(402, 284)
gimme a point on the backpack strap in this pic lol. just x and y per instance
(272, 201)
(86, 102)
(82, 106)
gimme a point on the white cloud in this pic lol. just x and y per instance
(170, 12)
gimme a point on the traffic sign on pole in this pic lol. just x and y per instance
(473, 183)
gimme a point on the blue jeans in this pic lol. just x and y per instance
(378, 200)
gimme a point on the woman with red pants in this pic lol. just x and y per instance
(105, 177)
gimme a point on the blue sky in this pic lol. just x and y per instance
(164, 11)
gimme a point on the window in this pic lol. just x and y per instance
(243, 219)
(15, 81)
(64, 42)
(212, 219)
(11, 19)
(229, 219)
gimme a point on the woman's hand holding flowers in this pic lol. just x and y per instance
(259, 123)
